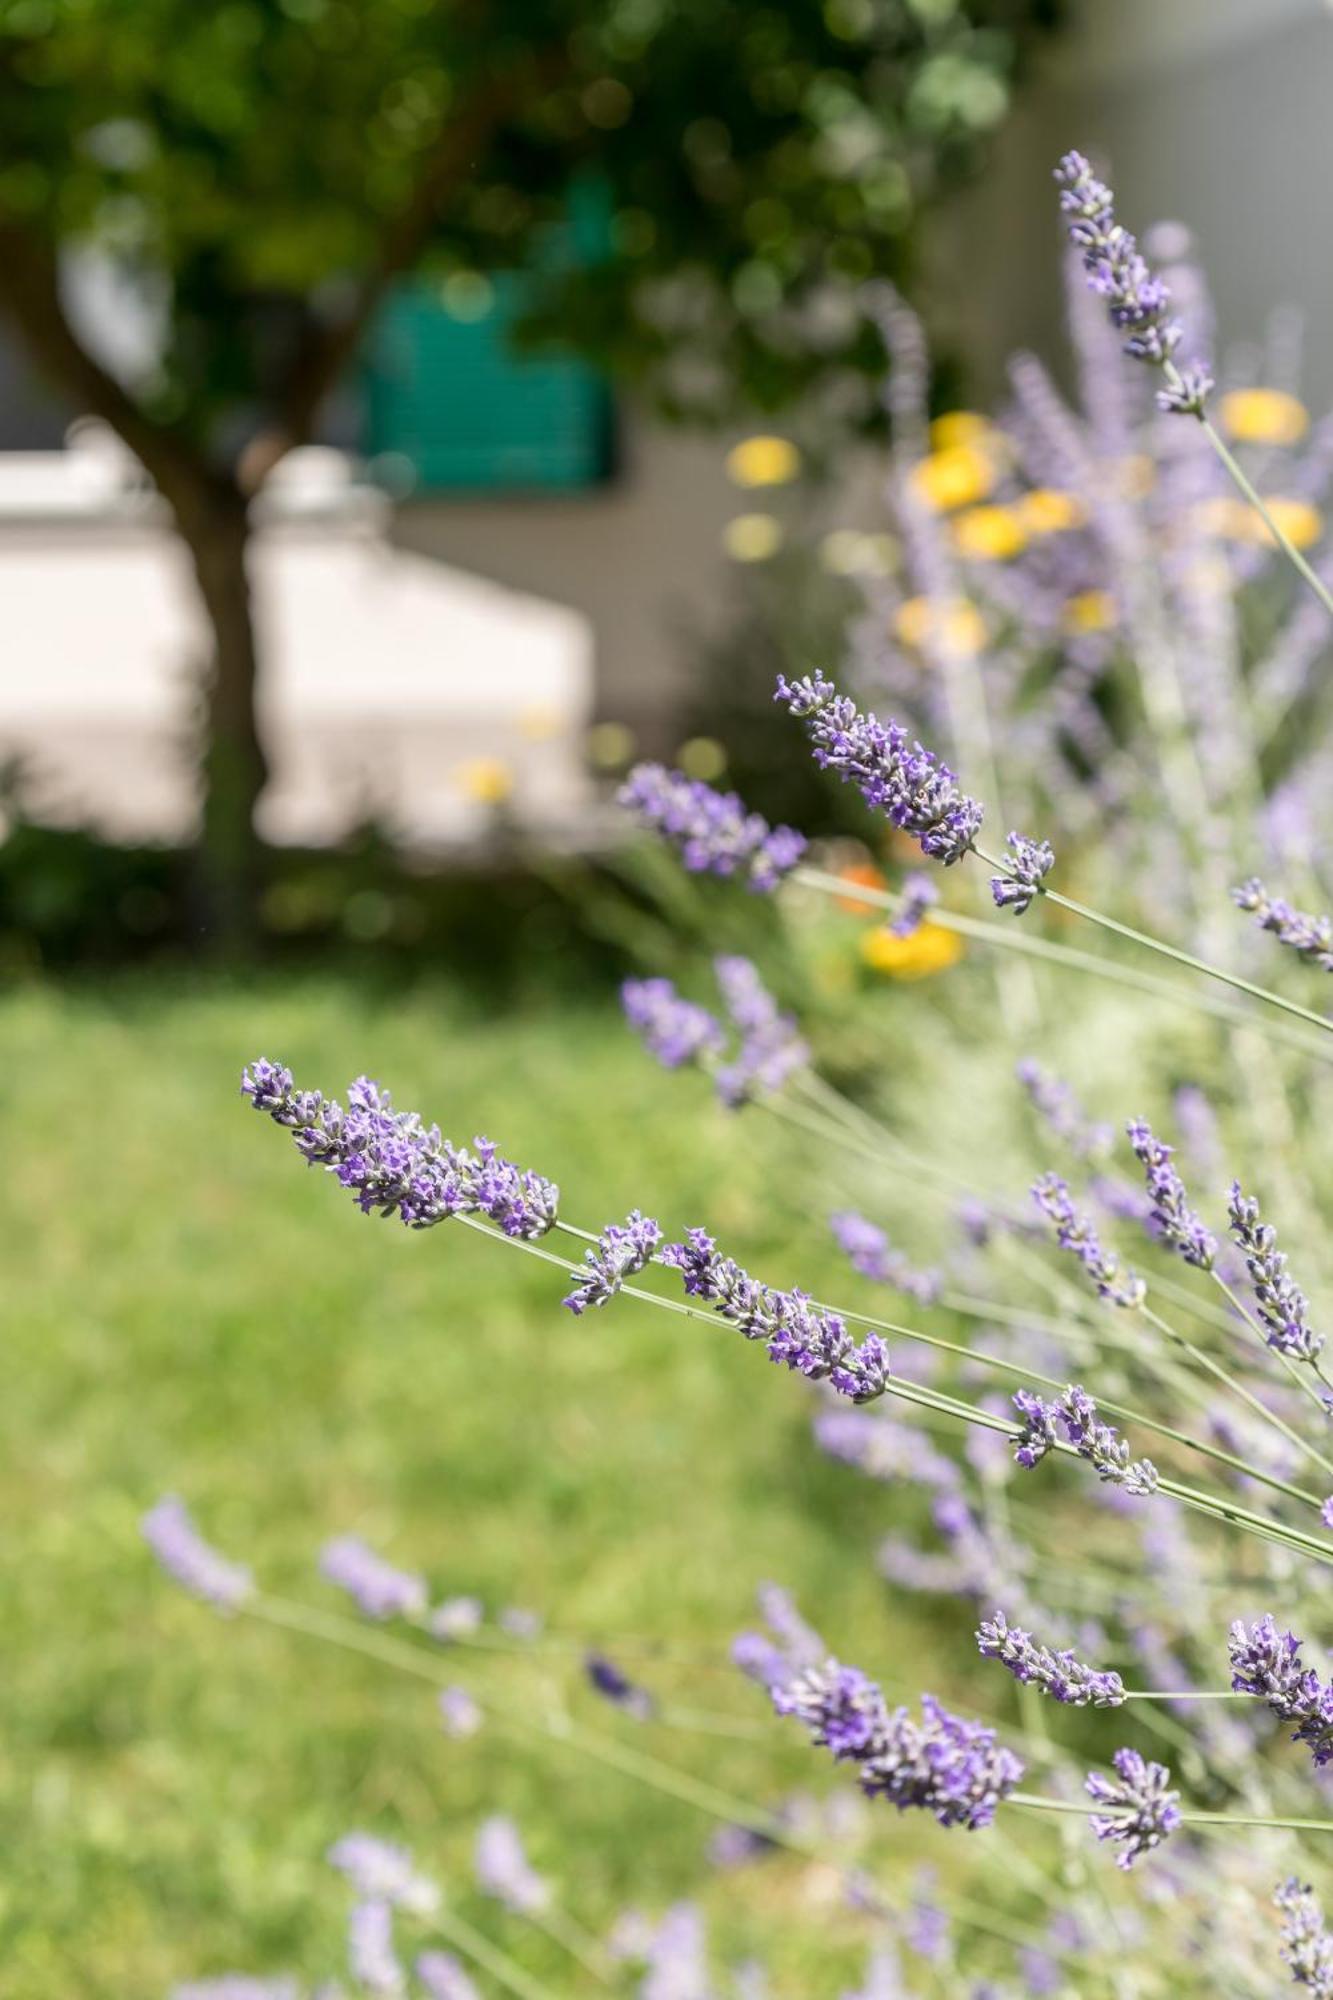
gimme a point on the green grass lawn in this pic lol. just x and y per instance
(187, 1308)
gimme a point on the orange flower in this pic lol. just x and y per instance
(859, 875)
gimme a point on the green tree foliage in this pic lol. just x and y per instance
(266, 169)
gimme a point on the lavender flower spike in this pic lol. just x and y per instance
(1175, 1219)
(392, 1164)
(943, 1764)
(1311, 937)
(1059, 1675)
(617, 1688)
(1028, 863)
(674, 1030)
(1140, 1811)
(504, 1871)
(370, 1954)
(185, 1555)
(380, 1590)
(869, 1251)
(441, 1977)
(797, 1336)
(712, 831)
(771, 1046)
(1267, 1664)
(381, 1872)
(1054, 1101)
(1306, 1948)
(919, 896)
(908, 784)
(1077, 1234)
(619, 1252)
(1281, 1304)
(1137, 301)
(1075, 1413)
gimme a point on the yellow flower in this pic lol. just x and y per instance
(610, 744)
(958, 626)
(752, 537)
(1047, 511)
(954, 478)
(990, 534)
(763, 461)
(1237, 521)
(485, 780)
(930, 948)
(1263, 416)
(1090, 611)
(957, 427)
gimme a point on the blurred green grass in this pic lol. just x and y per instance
(186, 1308)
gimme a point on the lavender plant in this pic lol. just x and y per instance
(1012, 1483)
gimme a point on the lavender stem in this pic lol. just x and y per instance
(1291, 552)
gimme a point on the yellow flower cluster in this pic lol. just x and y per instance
(930, 948)
(1263, 416)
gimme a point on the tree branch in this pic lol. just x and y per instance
(30, 298)
(330, 346)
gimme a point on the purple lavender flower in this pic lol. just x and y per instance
(1055, 1102)
(1137, 301)
(674, 1030)
(618, 1688)
(771, 1047)
(915, 791)
(1281, 1305)
(380, 1590)
(1060, 1675)
(796, 1336)
(1306, 1948)
(619, 1252)
(882, 1978)
(1141, 1810)
(1077, 1234)
(443, 1978)
(1309, 936)
(736, 1846)
(677, 1961)
(1176, 1222)
(883, 1448)
(1076, 1414)
(503, 1869)
(459, 1714)
(713, 832)
(520, 1623)
(394, 1165)
(381, 1872)
(1326, 1511)
(919, 896)
(370, 1954)
(943, 1764)
(1027, 864)
(1267, 1664)
(185, 1555)
(868, 1250)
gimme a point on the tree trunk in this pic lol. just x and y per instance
(233, 767)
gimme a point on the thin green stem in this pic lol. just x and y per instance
(1293, 1368)
(1239, 1390)
(510, 1974)
(1035, 1803)
(1303, 569)
(1171, 951)
(1012, 938)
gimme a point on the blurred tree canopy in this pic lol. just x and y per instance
(263, 171)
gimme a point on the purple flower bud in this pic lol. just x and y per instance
(1267, 1664)
(771, 1048)
(443, 1978)
(380, 1590)
(619, 1252)
(455, 1618)
(1310, 937)
(796, 1335)
(1054, 1101)
(1140, 1811)
(1028, 863)
(1281, 1305)
(919, 898)
(1176, 1222)
(712, 831)
(868, 1250)
(1060, 1675)
(381, 1872)
(950, 1767)
(1076, 1233)
(674, 1030)
(503, 1869)
(185, 1555)
(459, 1714)
(1306, 1948)
(909, 785)
(1076, 1415)
(370, 1953)
(617, 1688)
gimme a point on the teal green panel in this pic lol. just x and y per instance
(445, 391)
